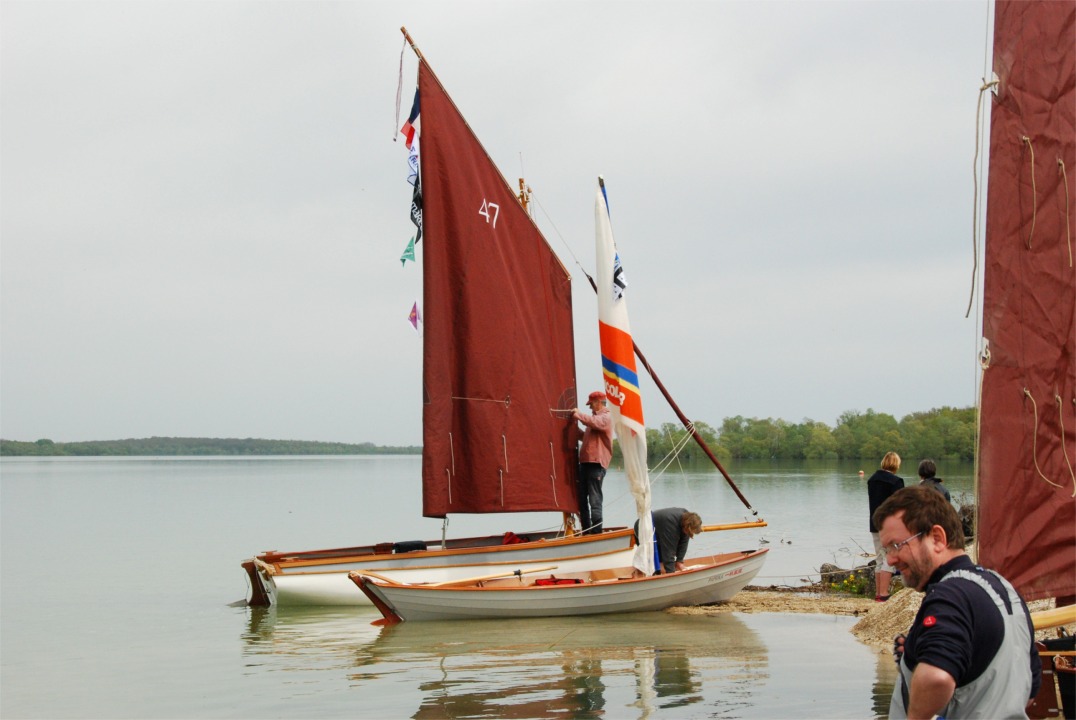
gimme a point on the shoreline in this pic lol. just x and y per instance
(879, 621)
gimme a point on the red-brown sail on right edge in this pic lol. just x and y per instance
(1027, 512)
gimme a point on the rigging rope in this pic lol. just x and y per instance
(399, 92)
(1034, 191)
(1068, 233)
(1035, 439)
(662, 465)
(976, 173)
(1064, 450)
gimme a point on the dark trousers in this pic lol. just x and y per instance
(590, 497)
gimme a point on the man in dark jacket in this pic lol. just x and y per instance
(673, 528)
(881, 485)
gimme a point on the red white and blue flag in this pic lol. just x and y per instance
(411, 126)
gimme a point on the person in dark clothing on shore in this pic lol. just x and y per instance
(927, 470)
(883, 483)
(673, 529)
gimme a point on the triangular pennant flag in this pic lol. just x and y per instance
(409, 253)
(415, 317)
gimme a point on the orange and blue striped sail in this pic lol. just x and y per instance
(620, 376)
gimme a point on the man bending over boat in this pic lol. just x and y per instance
(673, 529)
(970, 652)
(594, 457)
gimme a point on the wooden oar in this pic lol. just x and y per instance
(480, 578)
(735, 526)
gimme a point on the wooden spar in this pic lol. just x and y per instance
(691, 427)
(688, 425)
(735, 526)
(411, 42)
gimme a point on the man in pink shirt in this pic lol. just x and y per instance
(594, 458)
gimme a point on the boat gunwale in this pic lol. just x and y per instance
(728, 559)
(278, 573)
(281, 560)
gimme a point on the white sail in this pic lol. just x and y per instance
(621, 378)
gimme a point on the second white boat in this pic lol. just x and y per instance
(549, 592)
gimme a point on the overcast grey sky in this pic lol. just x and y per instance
(203, 207)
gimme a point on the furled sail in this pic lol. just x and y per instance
(499, 354)
(621, 377)
(1027, 508)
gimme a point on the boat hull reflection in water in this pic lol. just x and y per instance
(653, 664)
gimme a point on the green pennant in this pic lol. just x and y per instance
(409, 253)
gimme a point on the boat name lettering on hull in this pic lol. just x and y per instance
(722, 576)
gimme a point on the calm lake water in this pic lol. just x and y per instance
(116, 578)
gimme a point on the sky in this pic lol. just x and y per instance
(203, 205)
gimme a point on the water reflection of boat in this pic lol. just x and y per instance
(636, 663)
(282, 630)
(579, 667)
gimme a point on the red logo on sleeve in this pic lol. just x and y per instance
(930, 621)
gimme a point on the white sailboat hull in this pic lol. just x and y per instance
(321, 577)
(707, 580)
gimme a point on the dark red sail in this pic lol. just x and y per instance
(1027, 520)
(499, 357)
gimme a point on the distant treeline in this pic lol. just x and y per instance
(942, 434)
(199, 446)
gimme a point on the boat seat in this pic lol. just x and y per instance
(603, 575)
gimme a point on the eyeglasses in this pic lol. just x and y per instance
(894, 548)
